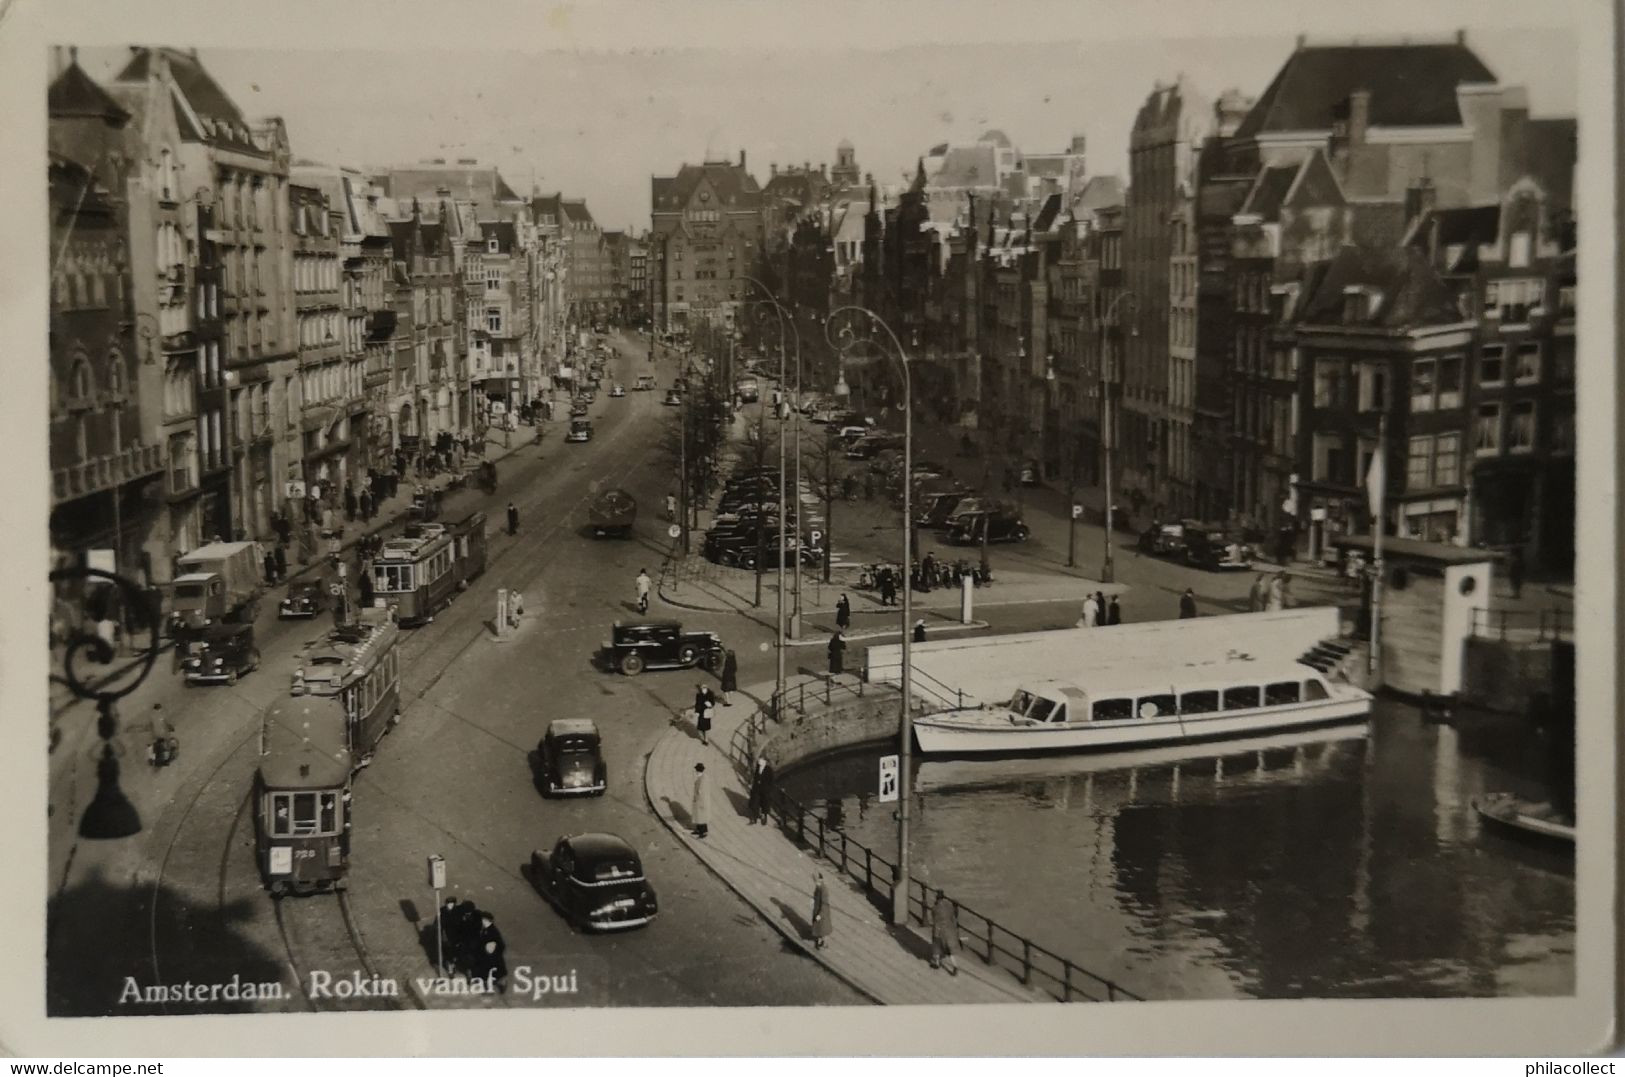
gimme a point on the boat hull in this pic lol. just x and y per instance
(944, 735)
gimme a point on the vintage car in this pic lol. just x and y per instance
(578, 408)
(927, 469)
(645, 382)
(595, 881)
(617, 390)
(612, 512)
(306, 598)
(1216, 548)
(674, 398)
(580, 430)
(1002, 526)
(935, 510)
(221, 654)
(571, 758)
(1163, 540)
(635, 646)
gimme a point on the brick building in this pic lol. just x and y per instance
(706, 230)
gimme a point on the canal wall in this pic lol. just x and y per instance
(989, 668)
(1504, 675)
(832, 727)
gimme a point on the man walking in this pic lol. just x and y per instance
(1091, 613)
(700, 811)
(513, 519)
(944, 934)
(761, 791)
(644, 586)
(1114, 613)
(1187, 605)
(349, 503)
(837, 654)
(843, 613)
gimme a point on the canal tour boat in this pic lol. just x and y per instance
(1119, 709)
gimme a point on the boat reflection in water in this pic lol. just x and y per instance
(1343, 862)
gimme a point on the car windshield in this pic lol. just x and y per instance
(575, 743)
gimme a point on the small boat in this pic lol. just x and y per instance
(1525, 817)
(1161, 704)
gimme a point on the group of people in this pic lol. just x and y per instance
(470, 943)
(924, 576)
(1269, 592)
(1098, 611)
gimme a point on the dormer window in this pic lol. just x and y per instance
(491, 245)
(1360, 303)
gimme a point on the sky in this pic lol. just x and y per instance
(597, 123)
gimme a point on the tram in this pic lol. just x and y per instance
(468, 547)
(344, 696)
(415, 574)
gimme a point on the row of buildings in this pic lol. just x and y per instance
(1379, 245)
(232, 327)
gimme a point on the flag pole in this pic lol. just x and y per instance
(1377, 498)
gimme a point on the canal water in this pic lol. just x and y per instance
(1337, 864)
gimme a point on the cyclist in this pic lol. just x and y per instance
(644, 584)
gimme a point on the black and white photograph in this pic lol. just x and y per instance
(774, 511)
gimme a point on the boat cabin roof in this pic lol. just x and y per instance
(1193, 678)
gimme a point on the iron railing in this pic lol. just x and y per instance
(1032, 964)
(1539, 626)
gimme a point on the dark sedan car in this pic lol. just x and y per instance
(674, 399)
(596, 882)
(306, 598)
(572, 759)
(221, 654)
(635, 646)
(1001, 527)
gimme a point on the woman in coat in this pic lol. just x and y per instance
(730, 678)
(837, 654)
(761, 791)
(843, 614)
(944, 934)
(822, 924)
(702, 712)
(701, 810)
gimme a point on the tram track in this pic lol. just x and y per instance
(305, 926)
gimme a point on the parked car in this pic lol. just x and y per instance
(221, 654)
(306, 598)
(580, 430)
(674, 399)
(635, 646)
(936, 509)
(927, 469)
(644, 383)
(578, 408)
(1001, 527)
(617, 390)
(1216, 548)
(596, 883)
(572, 760)
(1163, 540)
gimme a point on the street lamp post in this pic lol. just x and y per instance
(900, 883)
(1108, 434)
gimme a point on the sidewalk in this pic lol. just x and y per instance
(391, 513)
(763, 867)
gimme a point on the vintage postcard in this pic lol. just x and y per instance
(669, 529)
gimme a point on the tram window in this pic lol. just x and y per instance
(304, 813)
(330, 813)
(1236, 699)
(1313, 690)
(1154, 706)
(1284, 692)
(281, 815)
(1110, 710)
(1203, 702)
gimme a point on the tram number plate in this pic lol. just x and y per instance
(281, 860)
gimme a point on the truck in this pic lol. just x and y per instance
(220, 582)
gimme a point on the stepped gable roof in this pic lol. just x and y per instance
(75, 95)
(1410, 291)
(734, 186)
(1550, 147)
(1410, 86)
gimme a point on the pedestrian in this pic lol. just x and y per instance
(1187, 605)
(837, 654)
(280, 555)
(363, 579)
(671, 507)
(843, 613)
(919, 630)
(761, 791)
(700, 814)
(888, 587)
(1091, 613)
(944, 934)
(1100, 608)
(822, 925)
(1258, 596)
(1114, 613)
(490, 954)
(365, 501)
(349, 502)
(448, 921)
(730, 678)
(702, 712)
(513, 519)
(1515, 570)
(1277, 592)
(464, 934)
(644, 584)
(270, 567)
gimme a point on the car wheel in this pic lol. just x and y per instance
(231, 677)
(688, 654)
(1021, 534)
(631, 664)
(713, 663)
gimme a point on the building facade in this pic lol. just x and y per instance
(705, 232)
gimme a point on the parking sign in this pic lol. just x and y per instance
(888, 778)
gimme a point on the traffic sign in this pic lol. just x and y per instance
(437, 873)
(816, 536)
(888, 778)
(1077, 512)
(674, 531)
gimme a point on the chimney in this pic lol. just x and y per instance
(1302, 38)
(1359, 116)
(1461, 37)
(741, 158)
(1077, 145)
(823, 168)
(773, 168)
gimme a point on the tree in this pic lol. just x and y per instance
(827, 472)
(759, 442)
(692, 441)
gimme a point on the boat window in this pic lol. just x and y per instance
(1203, 702)
(1236, 699)
(1155, 706)
(1276, 695)
(1110, 710)
(1041, 709)
(1021, 701)
(1313, 690)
